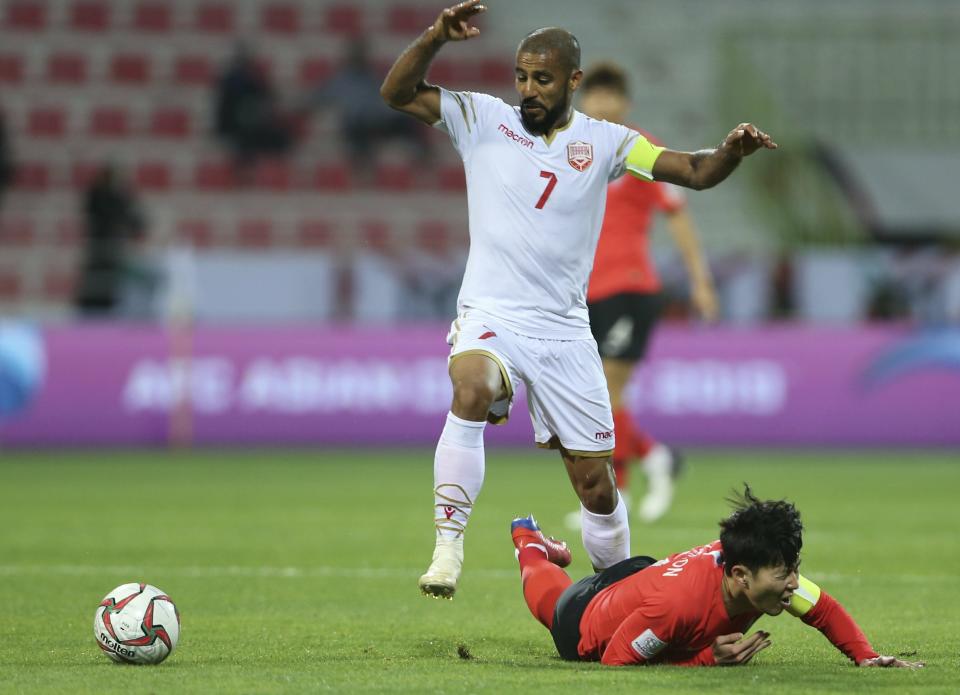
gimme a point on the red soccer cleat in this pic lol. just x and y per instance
(526, 531)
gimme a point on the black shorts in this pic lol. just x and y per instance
(573, 602)
(622, 324)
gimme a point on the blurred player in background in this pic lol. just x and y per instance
(537, 178)
(624, 295)
(692, 608)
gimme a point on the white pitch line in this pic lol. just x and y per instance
(376, 573)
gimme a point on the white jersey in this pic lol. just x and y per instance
(535, 211)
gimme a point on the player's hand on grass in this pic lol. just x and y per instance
(453, 22)
(746, 139)
(735, 649)
(889, 662)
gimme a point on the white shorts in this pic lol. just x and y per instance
(566, 389)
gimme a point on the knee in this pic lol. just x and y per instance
(472, 399)
(597, 489)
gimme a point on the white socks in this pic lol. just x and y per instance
(458, 468)
(606, 537)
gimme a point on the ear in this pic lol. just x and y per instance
(741, 575)
(575, 78)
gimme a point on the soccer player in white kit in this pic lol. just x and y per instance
(537, 177)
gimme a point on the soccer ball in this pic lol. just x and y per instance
(137, 624)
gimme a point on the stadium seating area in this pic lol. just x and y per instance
(88, 81)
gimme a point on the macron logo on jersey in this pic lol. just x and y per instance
(648, 645)
(516, 137)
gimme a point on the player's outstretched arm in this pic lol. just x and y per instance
(404, 87)
(707, 168)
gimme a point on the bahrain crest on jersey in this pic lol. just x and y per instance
(580, 155)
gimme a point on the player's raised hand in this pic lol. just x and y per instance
(746, 139)
(453, 22)
(890, 662)
(735, 649)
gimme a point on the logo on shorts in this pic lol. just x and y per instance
(488, 334)
(603, 435)
(648, 645)
(580, 155)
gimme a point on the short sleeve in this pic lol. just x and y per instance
(622, 141)
(462, 114)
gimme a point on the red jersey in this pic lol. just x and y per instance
(673, 611)
(622, 262)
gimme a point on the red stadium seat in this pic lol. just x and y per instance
(433, 236)
(496, 71)
(451, 179)
(442, 71)
(274, 175)
(26, 15)
(280, 18)
(10, 285)
(197, 232)
(410, 20)
(333, 176)
(153, 176)
(395, 177)
(130, 68)
(214, 175)
(254, 233)
(32, 176)
(215, 18)
(89, 15)
(153, 17)
(345, 20)
(315, 234)
(47, 122)
(109, 122)
(59, 284)
(67, 68)
(82, 174)
(16, 232)
(314, 70)
(11, 68)
(375, 235)
(170, 122)
(193, 70)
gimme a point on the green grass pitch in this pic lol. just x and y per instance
(296, 571)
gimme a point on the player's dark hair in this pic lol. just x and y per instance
(760, 533)
(553, 40)
(605, 76)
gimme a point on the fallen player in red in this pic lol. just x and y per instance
(693, 608)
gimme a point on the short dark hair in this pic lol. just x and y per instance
(760, 533)
(553, 40)
(606, 76)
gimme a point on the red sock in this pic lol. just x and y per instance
(543, 582)
(632, 442)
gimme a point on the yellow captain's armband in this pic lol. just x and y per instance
(804, 598)
(641, 157)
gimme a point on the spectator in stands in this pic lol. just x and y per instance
(114, 222)
(365, 121)
(6, 166)
(247, 116)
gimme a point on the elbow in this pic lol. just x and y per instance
(389, 95)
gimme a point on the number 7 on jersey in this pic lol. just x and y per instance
(548, 190)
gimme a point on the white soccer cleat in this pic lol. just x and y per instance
(440, 579)
(661, 466)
